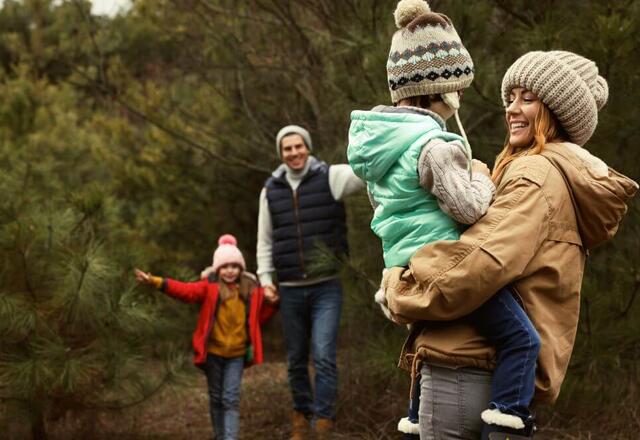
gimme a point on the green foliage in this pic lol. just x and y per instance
(75, 331)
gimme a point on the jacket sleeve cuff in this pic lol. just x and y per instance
(157, 282)
(266, 279)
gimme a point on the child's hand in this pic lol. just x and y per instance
(142, 277)
(480, 167)
(381, 298)
(271, 294)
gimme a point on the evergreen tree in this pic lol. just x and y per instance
(75, 332)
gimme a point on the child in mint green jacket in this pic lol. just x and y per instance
(423, 185)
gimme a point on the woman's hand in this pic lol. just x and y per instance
(271, 294)
(143, 277)
(480, 167)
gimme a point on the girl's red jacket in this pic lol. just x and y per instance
(206, 293)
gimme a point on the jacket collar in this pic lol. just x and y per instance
(311, 167)
(411, 110)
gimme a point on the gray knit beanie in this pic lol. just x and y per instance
(567, 83)
(293, 129)
(427, 56)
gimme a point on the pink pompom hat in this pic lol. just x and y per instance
(227, 253)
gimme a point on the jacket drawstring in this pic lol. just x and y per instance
(414, 373)
(453, 101)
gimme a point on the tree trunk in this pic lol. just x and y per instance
(38, 429)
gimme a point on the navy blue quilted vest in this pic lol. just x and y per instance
(302, 220)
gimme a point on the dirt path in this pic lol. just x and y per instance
(182, 412)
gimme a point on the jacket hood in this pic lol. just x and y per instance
(378, 138)
(599, 194)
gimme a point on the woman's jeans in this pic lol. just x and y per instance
(451, 401)
(223, 378)
(310, 320)
(503, 321)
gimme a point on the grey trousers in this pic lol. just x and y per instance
(451, 401)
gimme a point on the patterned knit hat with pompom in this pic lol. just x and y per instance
(567, 83)
(227, 253)
(427, 56)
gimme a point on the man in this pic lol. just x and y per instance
(300, 214)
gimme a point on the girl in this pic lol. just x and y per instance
(419, 178)
(554, 201)
(227, 338)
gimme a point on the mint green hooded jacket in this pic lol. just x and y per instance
(383, 151)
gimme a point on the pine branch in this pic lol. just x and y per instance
(632, 298)
(503, 5)
(174, 133)
(104, 89)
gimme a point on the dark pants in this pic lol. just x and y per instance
(310, 320)
(506, 325)
(224, 376)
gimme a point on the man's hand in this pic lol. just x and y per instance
(271, 294)
(480, 167)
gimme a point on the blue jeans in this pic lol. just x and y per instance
(506, 325)
(223, 378)
(310, 321)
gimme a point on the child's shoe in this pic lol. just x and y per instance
(410, 429)
(501, 426)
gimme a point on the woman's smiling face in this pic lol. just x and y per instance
(520, 114)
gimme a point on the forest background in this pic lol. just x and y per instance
(137, 139)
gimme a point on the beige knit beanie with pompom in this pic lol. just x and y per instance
(567, 83)
(427, 56)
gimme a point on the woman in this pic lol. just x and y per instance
(553, 202)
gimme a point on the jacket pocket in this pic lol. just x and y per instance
(564, 232)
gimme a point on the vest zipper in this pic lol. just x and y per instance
(297, 215)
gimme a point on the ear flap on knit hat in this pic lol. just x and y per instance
(452, 99)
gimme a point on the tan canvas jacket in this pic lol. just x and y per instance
(548, 210)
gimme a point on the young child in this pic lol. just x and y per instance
(423, 183)
(227, 338)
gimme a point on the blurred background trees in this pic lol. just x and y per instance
(136, 140)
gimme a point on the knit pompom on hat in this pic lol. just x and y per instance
(408, 10)
(567, 83)
(427, 56)
(226, 253)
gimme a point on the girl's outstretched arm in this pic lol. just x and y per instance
(147, 278)
(187, 292)
(193, 292)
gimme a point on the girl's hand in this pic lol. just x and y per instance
(142, 277)
(271, 294)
